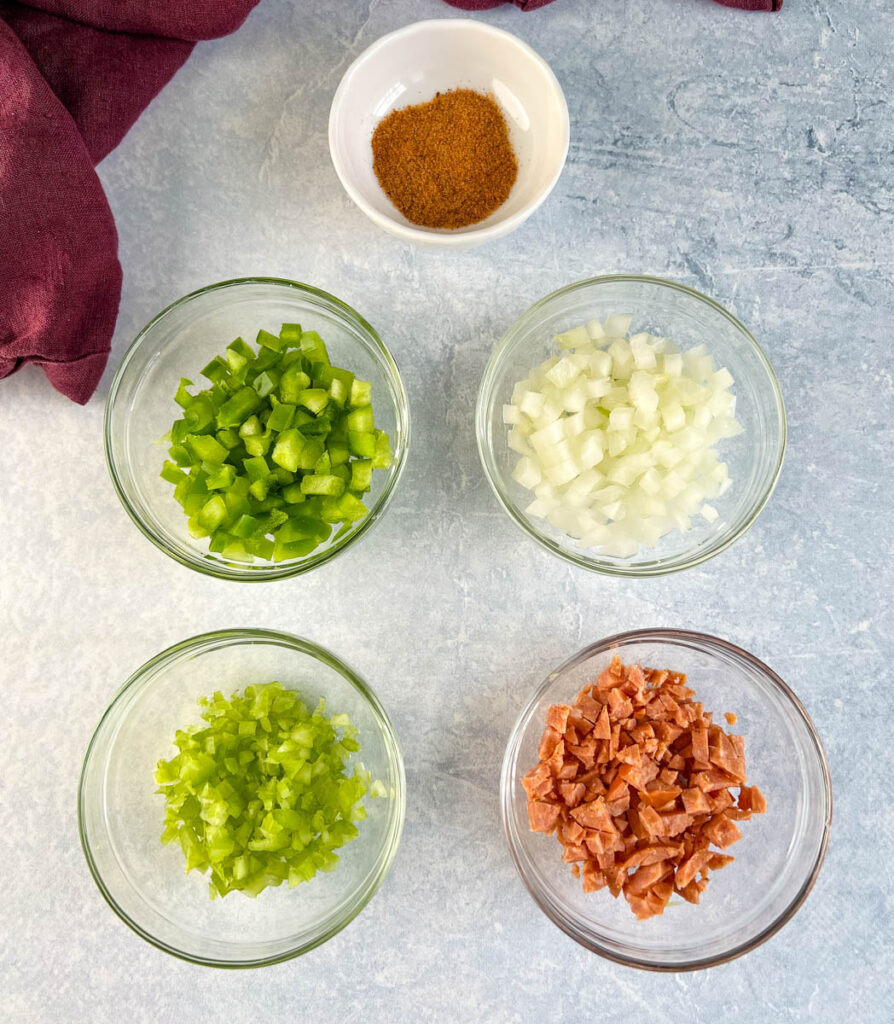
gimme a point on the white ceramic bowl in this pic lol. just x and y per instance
(412, 65)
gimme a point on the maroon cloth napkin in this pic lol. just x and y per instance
(532, 5)
(74, 76)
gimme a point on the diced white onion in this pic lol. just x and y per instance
(617, 443)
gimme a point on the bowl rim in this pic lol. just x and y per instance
(305, 646)
(633, 570)
(271, 571)
(434, 236)
(703, 641)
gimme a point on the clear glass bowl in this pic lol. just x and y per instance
(121, 815)
(780, 853)
(688, 319)
(178, 343)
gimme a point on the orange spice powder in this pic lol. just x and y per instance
(447, 163)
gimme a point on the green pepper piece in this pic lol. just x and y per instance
(266, 381)
(293, 381)
(268, 340)
(206, 448)
(183, 398)
(217, 370)
(290, 334)
(313, 348)
(238, 408)
(198, 415)
(172, 474)
(287, 452)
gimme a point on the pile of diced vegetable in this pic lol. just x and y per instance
(277, 451)
(617, 436)
(260, 794)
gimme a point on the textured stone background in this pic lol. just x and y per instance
(747, 155)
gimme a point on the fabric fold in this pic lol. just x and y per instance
(74, 76)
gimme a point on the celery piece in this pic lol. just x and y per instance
(319, 427)
(383, 454)
(213, 513)
(360, 420)
(237, 503)
(313, 399)
(361, 393)
(241, 797)
(338, 393)
(206, 448)
(261, 547)
(258, 444)
(281, 415)
(250, 427)
(222, 479)
(268, 340)
(361, 475)
(228, 437)
(361, 444)
(293, 494)
(256, 468)
(287, 452)
(323, 483)
(283, 550)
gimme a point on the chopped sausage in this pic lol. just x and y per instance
(636, 781)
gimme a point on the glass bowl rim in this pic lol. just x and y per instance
(704, 642)
(226, 637)
(489, 382)
(221, 570)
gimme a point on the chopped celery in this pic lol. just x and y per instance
(361, 475)
(314, 400)
(264, 791)
(278, 429)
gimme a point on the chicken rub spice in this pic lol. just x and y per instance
(447, 163)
